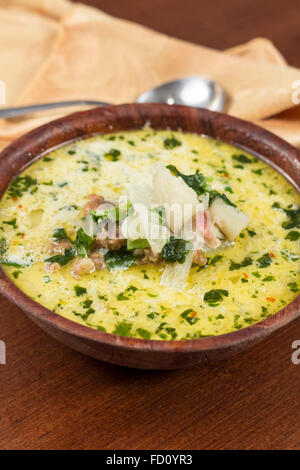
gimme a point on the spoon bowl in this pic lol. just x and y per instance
(196, 91)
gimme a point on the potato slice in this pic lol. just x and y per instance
(229, 219)
(179, 200)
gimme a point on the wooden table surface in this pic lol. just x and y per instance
(54, 398)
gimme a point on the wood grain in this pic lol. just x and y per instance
(52, 397)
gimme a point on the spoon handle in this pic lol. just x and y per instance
(22, 110)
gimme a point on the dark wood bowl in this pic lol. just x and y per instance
(135, 352)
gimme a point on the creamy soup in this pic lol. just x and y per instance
(236, 284)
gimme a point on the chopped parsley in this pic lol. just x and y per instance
(175, 250)
(145, 334)
(80, 290)
(293, 286)
(123, 329)
(20, 185)
(119, 259)
(293, 235)
(294, 218)
(83, 243)
(241, 158)
(170, 143)
(243, 264)
(214, 194)
(197, 181)
(189, 316)
(63, 259)
(214, 296)
(12, 222)
(113, 155)
(264, 261)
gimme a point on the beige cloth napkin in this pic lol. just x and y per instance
(52, 50)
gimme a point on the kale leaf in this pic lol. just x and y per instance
(119, 259)
(174, 250)
(214, 194)
(294, 218)
(62, 259)
(197, 181)
(215, 295)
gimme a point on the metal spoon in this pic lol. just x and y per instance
(197, 91)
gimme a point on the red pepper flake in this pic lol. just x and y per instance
(22, 235)
(245, 275)
(272, 255)
(14, 198)
(193, 314)
(20, 206)
(226, 175)
(270, 299)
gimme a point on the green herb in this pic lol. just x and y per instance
(119, 259)
(264, 261)
(12, 263)
(170, 143)
(62, 259)
(20, 185)
(87, 303)
(101, 328)
(144, 333)
(197, 181)
(114, 214)
(187, 316)
(137, 244)
(123, 329)
(294, 218)
(112, 155)
(60, 234)
(68, 208)
(215, 295)
(215, 194)
(293, 235)
(268, 279)
(71, 152)
(243, 264)
(175, 250)
(12, 222)
(3, 246)
(16, 274)
(288, 256)
(241, 158)
(80, 290)
(213, 261)
(293, 286)
(83, 243)
(228, 189)
(256, 274)
(251, 233)
(257, 172)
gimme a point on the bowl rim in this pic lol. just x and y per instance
(42, 140)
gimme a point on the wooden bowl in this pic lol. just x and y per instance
(135, 352)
